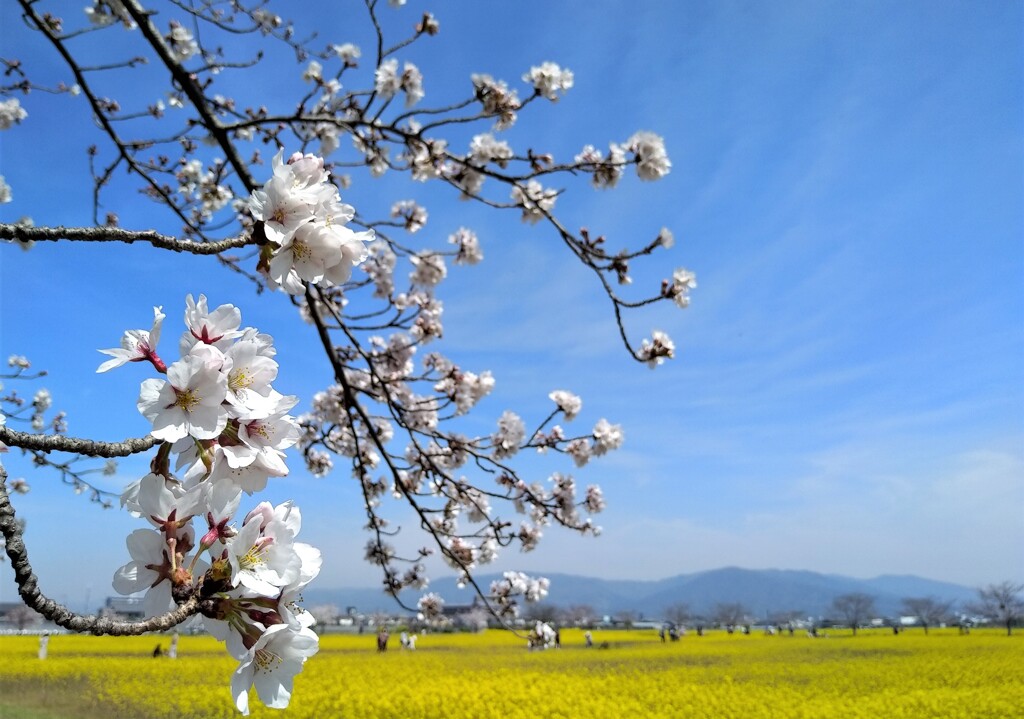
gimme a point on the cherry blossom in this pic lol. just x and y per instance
(607, 436)
(683, 280)
(262, 557)
(271, 664)
(567, 402)
(469, 252)
(218, 328)
(657, 349)
(652, 161)
(136, 346)
(11, 113)
(548, 79)
(534, 199)
(188, 402)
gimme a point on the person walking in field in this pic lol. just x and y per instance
(382, 639)
(44, 642)
(588, 638)
(173, 651)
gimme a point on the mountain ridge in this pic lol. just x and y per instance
(760, 591)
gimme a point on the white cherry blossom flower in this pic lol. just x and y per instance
(305, 173)
(430, 605)
(251, 478)
(579, 450)
(569, 403)
(136, 345)
(497, 99)
(348, 52)
(534, 199)
(149, 570)
(218, 328)
(187, 403)
(510, 435)
(665, 238)
(271, 665)
(657, 349)
(107, 12)
(313, 72)
(181, 42)
(352, 251)
(683, 280)
(251, 373)
(306, 252)
(11, 113)
(485, 148)
(316, 252)
(412, 84)
(387, 81)
(160, 502)
(428, 269)
(262, 558)
(607, 436)
(469, 252)
(415, 215)
(264, 438)
(281, 208)
(594, 501)
(652, 160)
(548, 78)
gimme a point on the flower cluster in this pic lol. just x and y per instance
(217, 411)
(180, 42)
(11, 113)
(548, 79)
(535, 200)
(107, 12)
(652, 161)
(506, 591)
(542, 636)
(497, 100)
(304, 220)
(657, 349)
(388, 81)
(648, 153)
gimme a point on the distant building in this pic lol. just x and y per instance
(125, 607)
(8, 606)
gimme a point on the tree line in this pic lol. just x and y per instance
(1000, 604)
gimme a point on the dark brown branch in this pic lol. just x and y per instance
(116, 234)
(188, 84)
(89, 447)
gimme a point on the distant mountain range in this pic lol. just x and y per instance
(761, 591)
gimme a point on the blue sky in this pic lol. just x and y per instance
(848, 393)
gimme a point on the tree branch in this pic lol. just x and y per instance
(61, 443)
(189, 85)
(116, 234)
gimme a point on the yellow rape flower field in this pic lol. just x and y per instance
(457, 676)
